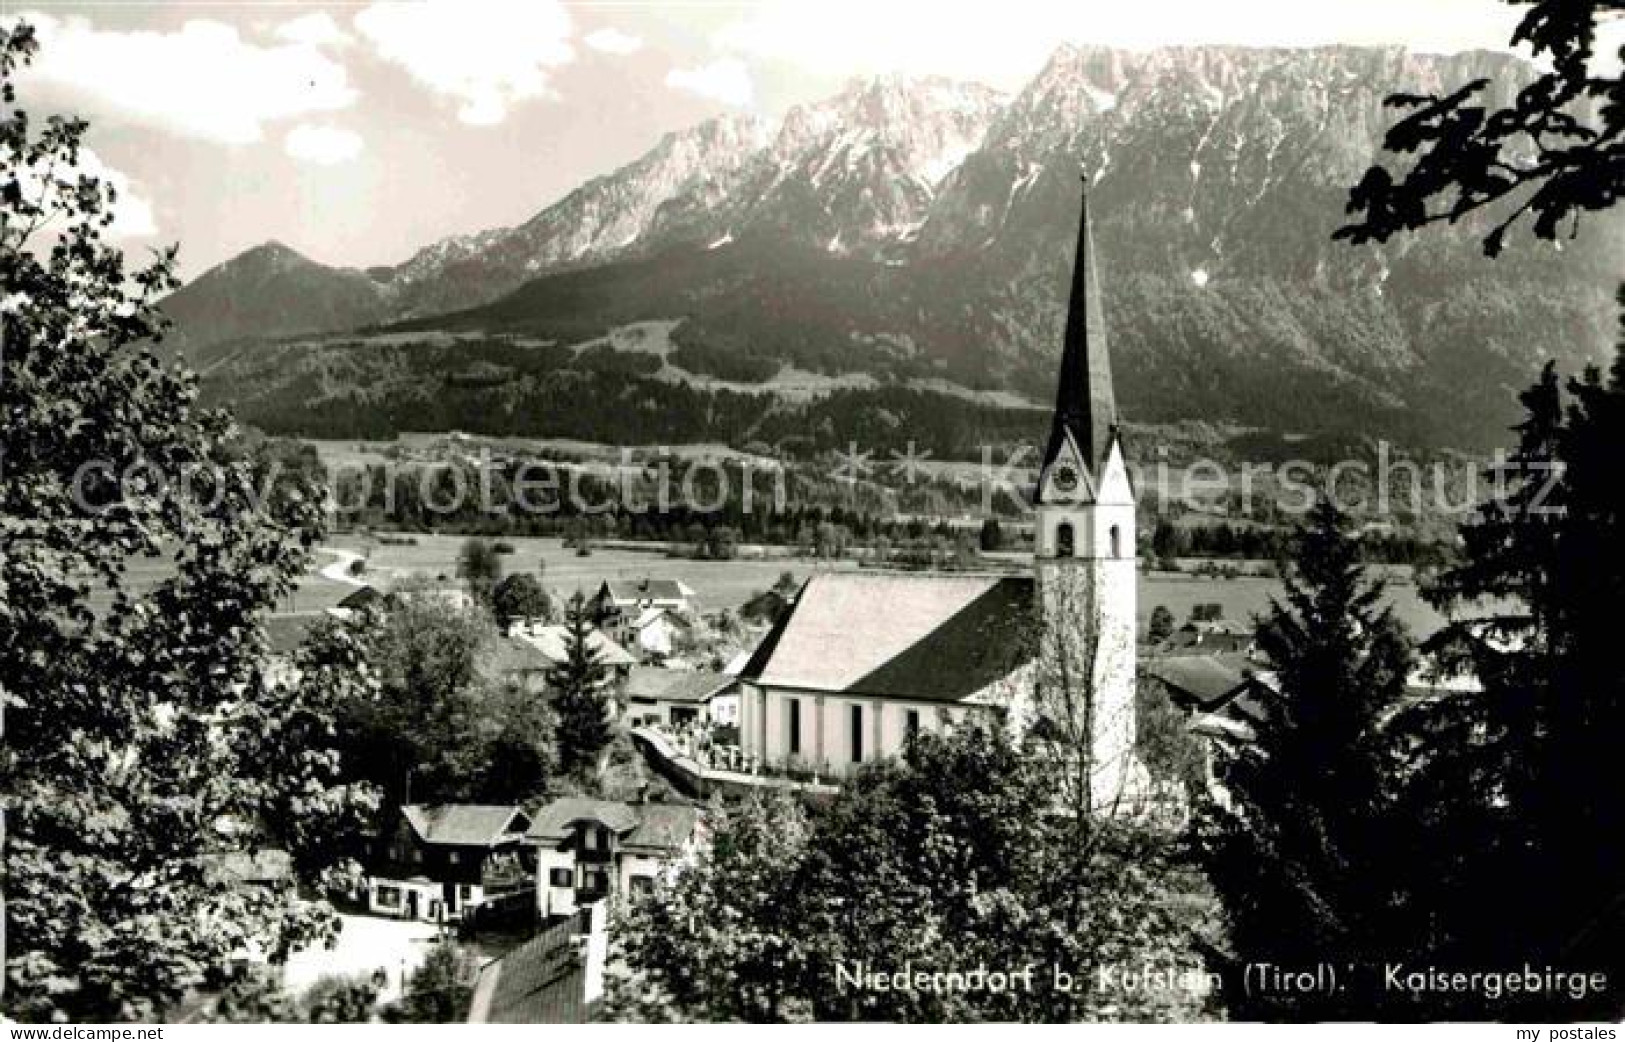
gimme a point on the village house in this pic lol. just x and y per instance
(674, 698)
(655, 634)
(552, 643)
(824, 694)
(619, 603)
(1210, 637)
(589, 849)
(438, 862)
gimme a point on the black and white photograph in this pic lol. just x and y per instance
(775, 511)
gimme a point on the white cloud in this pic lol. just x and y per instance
(132, 212)
(612, 41)
(326, 145)
(202, 80)
(726, 80)
(316, 29)
(485, 55)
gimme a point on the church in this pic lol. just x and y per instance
(863, 659)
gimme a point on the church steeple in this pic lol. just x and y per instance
(1085, 407)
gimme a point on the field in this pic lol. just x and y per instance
(720, 584)
(313, 593)
(1242, 598)
(727, 584)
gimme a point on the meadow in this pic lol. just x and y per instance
(719, 584)
(728, 584)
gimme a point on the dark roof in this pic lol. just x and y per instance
(1197, 638)
(287, 632)
(509, 654)
(926, 637)
(554, 820)
(645, 589)
(662, 826)
(465, 824)
(1085, 406)
(693, 687)
(1210, 681)
(552, 643)
(361, 598)
(543, 981)
(651, 826)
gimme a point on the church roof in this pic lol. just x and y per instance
(1085, 405)
(936, 638)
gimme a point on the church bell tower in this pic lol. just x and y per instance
(1084, 552)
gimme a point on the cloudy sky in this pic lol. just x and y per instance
(357, 133)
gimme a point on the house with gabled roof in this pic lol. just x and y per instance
(551, 643)
(619, 603)
(676, 697)
(590, 849)
(437, 862)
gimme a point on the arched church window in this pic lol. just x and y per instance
(1064, 546)
(1117, 542)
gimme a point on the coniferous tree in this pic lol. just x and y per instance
(1298, 851)
(1528, 769)
(580, 698)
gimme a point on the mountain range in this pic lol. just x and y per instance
(917, 234)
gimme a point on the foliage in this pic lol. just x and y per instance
(438, 992)
(521, 596)
(991, 537)
(953, 858)
(479, 564)
(1161, 625)
(579, 696)
(147, 736)
(1541, 152)
(438, 728)
(1301, 852)
(1525, 768)
(261, 998)
(1175, 758)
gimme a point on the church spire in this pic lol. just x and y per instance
(1084, 403)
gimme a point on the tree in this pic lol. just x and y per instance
(1161, 626)
(438, 992)
(437, 727)
(479, 565)
(262, 998)
(1299, 852)
(1525, 766)
(405, 737)
(991, 539)
(147, 733)
(579, 698)
(510, 750)
(953, 858)
(1540, 153)
(520, 596)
